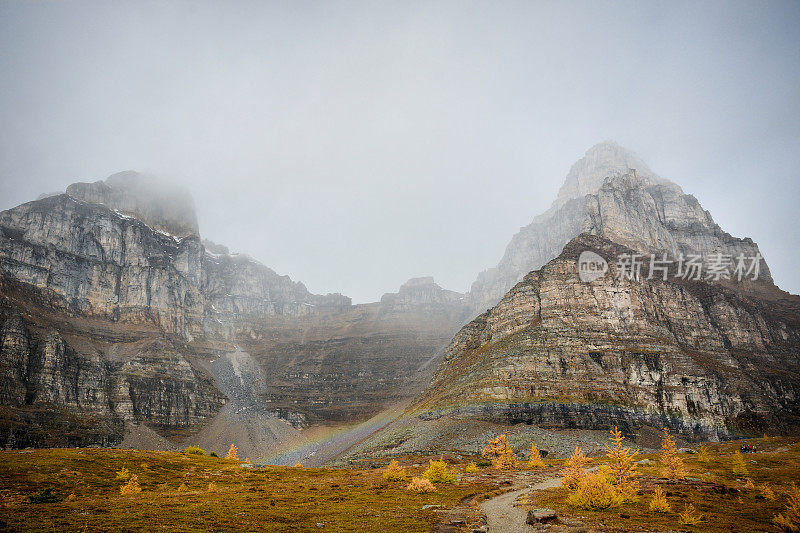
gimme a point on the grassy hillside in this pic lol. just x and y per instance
(217, 495)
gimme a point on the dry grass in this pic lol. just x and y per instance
(789, 519)
(175, 494)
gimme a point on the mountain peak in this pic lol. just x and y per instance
(600, 161)
(159, 204)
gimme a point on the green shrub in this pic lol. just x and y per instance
(194, 450)
(483, 463)
(213, 454)
(439, 473)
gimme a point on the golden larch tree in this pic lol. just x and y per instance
(574, 469)
(233, 453)
(394, 472)
(789, 519)
(738, 466)
(536, 458)
(501, 454)
(672, 466)
(622, 462)
(659, 503)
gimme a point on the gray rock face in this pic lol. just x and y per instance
(158, 204)
(611, 193)
(421, 292)
(113, 307)
(96, 262)
(703, 358)
(50, 383)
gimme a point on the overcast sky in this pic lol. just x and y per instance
(353, 145)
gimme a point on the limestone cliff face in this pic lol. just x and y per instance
(421, 292)
(97, 262)
(62, 396)
(610, 192)
(349, 364)
(703, 358)
(113, 308)
(240, 292)
(167, 208)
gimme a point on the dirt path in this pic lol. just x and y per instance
(503, 516)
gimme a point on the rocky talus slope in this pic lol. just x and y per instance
(112, 309)
(611, 193)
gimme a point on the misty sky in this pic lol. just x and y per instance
(353, 145)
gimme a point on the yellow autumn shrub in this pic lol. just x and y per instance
(438, 472)
(574, 469)
(194, 450)
(394, 472)
(131, 487)
(595, 491)
(659, 503)
(689, 516)
(536, 458)
(419, 484)
(124, 474)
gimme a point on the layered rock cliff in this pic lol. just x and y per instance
(610, 192)
(704, 358)
(113, 307)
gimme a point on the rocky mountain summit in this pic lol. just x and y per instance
(611, 193)
(112, 309)
(710, 356)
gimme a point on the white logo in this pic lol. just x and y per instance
(591, 266)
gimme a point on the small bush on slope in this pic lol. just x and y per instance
(438, 472)
(595, 492)
(131, 487)
(536, 458)
(419, 484)
(659, 503)
(689, 516)
(394, 472)
(123, 475)
(194, 450)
